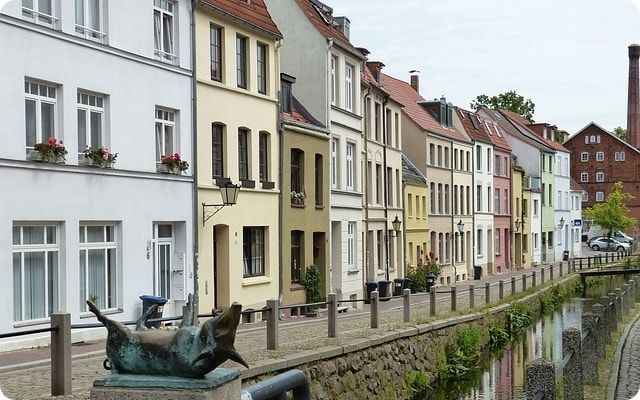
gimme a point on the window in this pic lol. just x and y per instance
(478, 198)
(89, 18)
(217, 150)
(334, 163)
(334, 80)
(319, 181)
(399, 194)
(488, 198)
(585, 196)
(389, 186)
(619, 156)
(584, 156)
(432, 154)
(439, 156)
(432, 196)
(348, 86)
(584, 177)
(263, 62)
(497, 243)
(35, 254)
(599, 196)
(297, 176)
(350, 165)
(253, 244)
(468, 164)
(424, 207)
(216, 38)
(455, 199)
(525, 243)
(164, 29)
(286, 95)
(165, 133)
(264, 156)
(439, 198)
(40, 11)
(600, 156)
(480, 245)
(242, 45)
(369, 182)
(297, 256)
(488, 161)
(478, 158)
(535, 207)
(380, 248)
(388, 128)
(243, 153)
(40, 112)
(98, 266)
(496, 201)
(599, 176)
(378, 184)
(535, 241)
(91, 121)
(376, 121)
(447, 202)
(586, 140)
(410, 204)
(397, 131)
(417, 206)
(446, 157)
(351, 245)
(456, 166)
(163, 259)
(468, 199)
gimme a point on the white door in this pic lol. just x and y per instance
(163, 260)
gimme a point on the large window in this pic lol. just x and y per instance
(264, 156)
(98, 266)
(334, 80)
(242, 46)
(378, 184)
(348, 86)
(480, 246)
(163, 260)
(243, 154)
(297, 255)
(297, 177)
(497, 243)
(164, 29)
(599, 176)
(217, 150)
(253, 239)
(319, 176)
(40, 112)
(35, 253)
(351, 245)
(478, 158)
(350, 165)
(263, 62)
(334, 163)
(165, 133)
(89, 18)
(40, 11)
(479, 198)
(216, 40)
(91, 121)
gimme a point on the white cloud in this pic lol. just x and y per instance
(636, 4)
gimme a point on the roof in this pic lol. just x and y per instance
(299, 115)
(403, 93)
(253, 12)
(514, 128)
(519, 119)
(473, 126)
(411, 173)
(605, 132)
(323, 22)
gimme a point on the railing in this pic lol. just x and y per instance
(61, 326)
(293, 381)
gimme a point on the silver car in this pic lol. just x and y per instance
(608, 244)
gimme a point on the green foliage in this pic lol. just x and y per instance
(419, 274)
(463, 355)
(311, 283)
(510, 100)
(519, 319)
(417, 384)
(613, 214)
(498, 338)
(621, 133)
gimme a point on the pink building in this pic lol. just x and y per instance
(501, 200)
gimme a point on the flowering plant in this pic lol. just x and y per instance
(51, 151)
(174, 163)
(298, 197)
(100, 156)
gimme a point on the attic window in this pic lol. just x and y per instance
(286, 93)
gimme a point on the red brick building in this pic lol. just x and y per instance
(598, 160)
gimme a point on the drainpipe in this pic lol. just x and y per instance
(365, 185)
(194, 164)
(280, 126)
(386, 184)
(450, 205)
(404, 230)
(473, 218)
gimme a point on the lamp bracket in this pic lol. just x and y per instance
(206, 217)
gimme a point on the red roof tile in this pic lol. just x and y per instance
(299, 114)
(520, 120)
(253, 12)
(473, 126)
(403, 93)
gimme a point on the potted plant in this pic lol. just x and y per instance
(173, 164)
(53, 151)
(311, 283)
(100, 157)
(297, 198)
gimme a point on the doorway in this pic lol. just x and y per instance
(319, 260)
(221, 273)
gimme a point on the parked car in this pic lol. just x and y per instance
(608, 244)
(622, 237)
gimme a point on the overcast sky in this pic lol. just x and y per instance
(569, 56)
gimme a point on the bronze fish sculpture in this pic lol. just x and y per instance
(189, 352)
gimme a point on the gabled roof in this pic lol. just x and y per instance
(403, 93)
(326, 26)
(473, 126)
(251, 12)
(411, 173)
(299, 115)
(515, 129)
(520, 120)
(605, 132)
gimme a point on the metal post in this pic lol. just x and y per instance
(273, 318)
(589, 262)
(581, 264)
(374, 309)
(453, 298)
(542, 275)
(432, 302)
(501, 290)
(513, 285)
(561, 267)
(332, 314)
(551, 272)
(60, 354)
(406, 297)
(524, 282)
(472, 296)
(534, 279)
(487, 293)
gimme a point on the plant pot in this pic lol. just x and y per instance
(36, 156)
(164, 169)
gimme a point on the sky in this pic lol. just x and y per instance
(569, 56)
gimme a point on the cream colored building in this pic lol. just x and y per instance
(237, 71)
(416, 221)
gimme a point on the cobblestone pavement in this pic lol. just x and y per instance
(629, 372)
(34, 383)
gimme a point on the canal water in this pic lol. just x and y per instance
(502, 377)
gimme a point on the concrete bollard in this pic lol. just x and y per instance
(524, 282)
(542, 275)
(572, 373)
(580, 264)
(589, 262)
(560, 269)
(61, 354)
(590, 348)
(551, 272)
(406, 297)
(487, 293)
(513, 286)
(273, 318)
(374, 310)
(541, 378)
(472, 297)
(454, 298)
(432, 302)
(332, 314)
(501, 290)
(534, 278)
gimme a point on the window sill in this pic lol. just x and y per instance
(33, 322)
(293, 205)
(352, 270)
(319, 207)
(268, 185)
(111, 311)
(248, 184)
(257, 280)
(221, 181)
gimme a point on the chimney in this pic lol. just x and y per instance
(415, 80)
(344, 25)
(633, 107)
(376, 69)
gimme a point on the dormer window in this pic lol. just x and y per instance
(287, 82)
(446, 113)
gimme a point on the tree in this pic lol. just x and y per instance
(613, 214)
(621, 133)
(510, 100)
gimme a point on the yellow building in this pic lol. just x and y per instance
(237, 75)
(305, 201)
(414, 188)
(520, 220)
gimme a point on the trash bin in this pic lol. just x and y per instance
(148, 301)
(565, 255)
(371, 286)
(399, 284)
(477, 272)
(384, 290)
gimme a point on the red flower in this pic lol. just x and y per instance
(51, 141)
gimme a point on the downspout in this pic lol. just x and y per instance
(365, 184)
(404, 231)
(450, 205)
(386, 183)
(473, 218)
(194, 164)
(280, 129)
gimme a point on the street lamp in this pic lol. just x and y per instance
(561, 225)
(396, 225)
(460, 226)
(229, 194)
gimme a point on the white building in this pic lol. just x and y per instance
(92, 74)
(575, 221)
(563, 204)
(535, 226)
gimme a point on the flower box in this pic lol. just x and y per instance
(164, 169)
(173, 164)
(53, 151)
(99, 157)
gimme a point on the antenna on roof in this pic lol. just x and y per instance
(414, 71)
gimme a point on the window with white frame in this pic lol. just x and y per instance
(165, 133)
(164, 31)
(497, 242)
(535, 240)
(40, 108)
(619, 155)
(600, 176)
(592, 139)
(599, 196)
(600, 156)
(334, 80)
(39, 11)
(348, 86)
(351, 245)
(584, 177)
(163, 251)
(91, 121)
(254, 248)
(35, 252)
(98, 266)
(585, 196)
(89, 19)
(584, 156)
(350, 165)
(334, 163)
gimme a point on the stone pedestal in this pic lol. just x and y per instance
(221, 384)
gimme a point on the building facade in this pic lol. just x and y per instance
(576, 221)
(416, 220)
(502, 210)
(103, 234)
(237, 69)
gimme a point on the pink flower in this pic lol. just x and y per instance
(51, 140)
